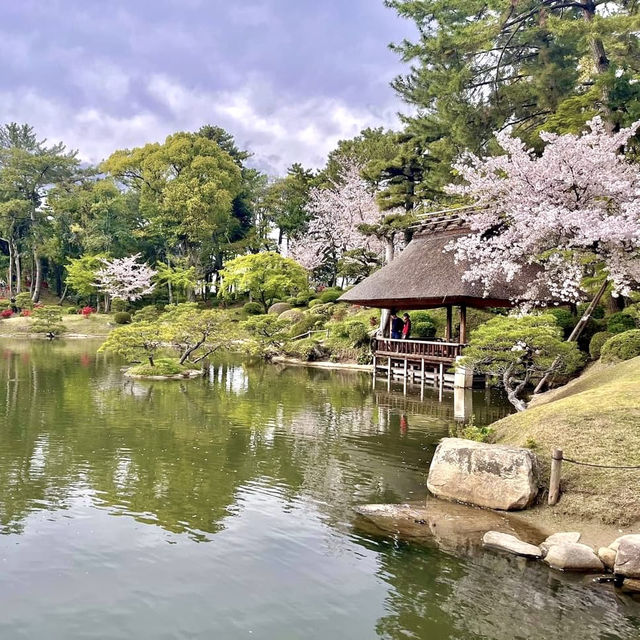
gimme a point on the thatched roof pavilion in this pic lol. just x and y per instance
(425, 276)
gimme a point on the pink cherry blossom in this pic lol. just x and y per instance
(571, 209)
(125, 278)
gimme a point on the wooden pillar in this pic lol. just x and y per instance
(447, 329)
(463, 323)
(554, 483)
(441, 382)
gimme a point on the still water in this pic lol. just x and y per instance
(222, 508)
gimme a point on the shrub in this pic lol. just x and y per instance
(149, 313)
(421, 316)
(253, 308)
(308, 350)
(622, 346)
(23, 300)
(162, 367)
(620, 322)
(278, 308)
(307, 323)
(597, 341)
(87, 311)
(423, 330)
(122, 317)
(330, 295)
(315, 303)
(7, 313)
(358, 334)
(25, 313)
(118, 305)
(564, 319)
(292, 315)
(71, 311)
(590, 329)
(322, 309)
(303, 299)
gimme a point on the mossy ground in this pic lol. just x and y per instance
(162, 367)
(596, 419)
(97, 324)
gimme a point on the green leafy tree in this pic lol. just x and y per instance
(176, 278)
(519, 349)
(47, 320)
(81, 274)
(480, 66)
(265, 276)
(135, 341)
(268, 334)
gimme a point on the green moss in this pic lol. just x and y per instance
(162, 367)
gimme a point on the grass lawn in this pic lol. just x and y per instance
(595, 418)
(97, 324)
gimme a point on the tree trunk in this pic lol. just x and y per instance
(151, 362)
(11, 260)
(170, 292)
(37, 281)
(16, 258)
(512, 393)
(64, 294)
(389, 250)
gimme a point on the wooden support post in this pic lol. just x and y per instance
(405, 376)
(554, 482)
(389, 375)
(441, 382)
(463, 323)
(375, 371)
(422, 379)
(447, 329)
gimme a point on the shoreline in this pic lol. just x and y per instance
(323, 364)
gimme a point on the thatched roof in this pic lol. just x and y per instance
(424, 276)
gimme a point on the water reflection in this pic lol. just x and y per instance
(262, 464)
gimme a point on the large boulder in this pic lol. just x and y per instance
(510, 544)
(487, 475)
(628, 556)
(573, 556)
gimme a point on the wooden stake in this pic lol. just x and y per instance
(554, 482)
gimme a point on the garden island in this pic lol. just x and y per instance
(284, 366)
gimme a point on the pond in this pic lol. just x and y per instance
(223, 507)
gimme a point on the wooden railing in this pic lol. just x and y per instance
(418, 349)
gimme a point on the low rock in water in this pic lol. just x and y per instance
(559, 538)
(510, 544)
(573, 556)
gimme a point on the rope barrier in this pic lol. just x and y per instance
(599, 466)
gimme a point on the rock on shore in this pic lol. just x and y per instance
(486, 475)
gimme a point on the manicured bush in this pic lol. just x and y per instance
(25, 313)
(118, 305)
(330, 295)
(307, 323)
(590, 329)
(72, 311)
(122, 317)
(564, 319)
(423, 330)
(253, 308)
(622, 346)
(597, 341)
(7, 313)
(292, 315)
(278, 308)
(421, 316)
(150, 313)
(303, 299)
(358, 334)
(620, 322)
(315, 303)
(23, 300)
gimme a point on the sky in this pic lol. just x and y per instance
(288, 78)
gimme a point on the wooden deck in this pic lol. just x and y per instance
(431, 351)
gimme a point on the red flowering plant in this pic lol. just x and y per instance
(87, 311)
(7, 313)
(25, 313)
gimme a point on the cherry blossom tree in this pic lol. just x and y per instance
(125, 278)
(572, 210)
(338, 214)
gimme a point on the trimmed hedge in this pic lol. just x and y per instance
(620, 322)
(622, 346)
(253, 309)
(597, 342)
(315, 303)
(330, 295)
(122, 317)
